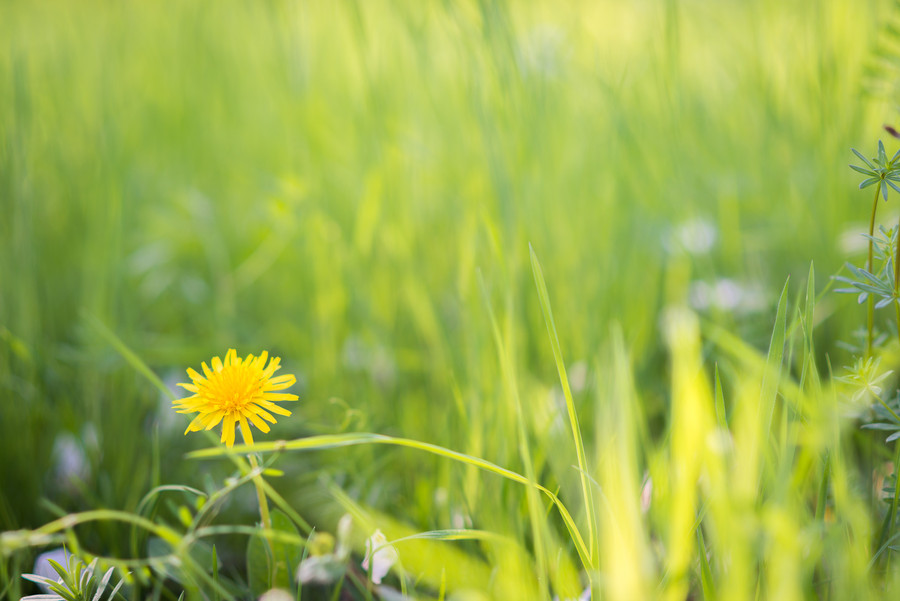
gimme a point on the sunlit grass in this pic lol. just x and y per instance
(539, 250)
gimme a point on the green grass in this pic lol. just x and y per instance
(453, 222)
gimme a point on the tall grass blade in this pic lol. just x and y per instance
(130, 356)
(535, 510)
(587, 493)
(772, 373)
(707, 582)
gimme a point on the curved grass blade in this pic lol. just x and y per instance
(334, 441)
(509, 378)
(567, 392)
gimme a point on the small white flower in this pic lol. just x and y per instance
(543, 52)
(381, 556)
(276, 594)
(695, 237)
(728, 295)
(851, 241)
(70, 461)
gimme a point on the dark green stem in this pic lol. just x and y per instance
(260, 491)
(870, 322)
(892, 516)
(897, 280)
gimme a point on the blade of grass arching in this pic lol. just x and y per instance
(16, 540)
(570, 403)
(884, 547)
(334, 441)
(512, 389)
(450, 534)
(706, 576)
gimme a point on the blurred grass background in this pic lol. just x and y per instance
(328, 180)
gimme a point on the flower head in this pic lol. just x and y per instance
(381, 555)
(879, 170)
(234, 392)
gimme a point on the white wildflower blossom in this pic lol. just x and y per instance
(380, 556)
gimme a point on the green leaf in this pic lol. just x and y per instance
(863, 159)
(586, 489)
(863, 171)
(259, 565)
(103, 583)
(285, 555)
(868, 182)
(880, 426)
(112, 595)
(69, 580)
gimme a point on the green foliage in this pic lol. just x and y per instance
(76, 582)
(357, 186)
(865, 377)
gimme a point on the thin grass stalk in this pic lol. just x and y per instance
(535, 510)
(570, 403)
(260, 491)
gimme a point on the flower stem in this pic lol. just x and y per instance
(260, 493)
(897, 279)
(892, 515)
(870, 322)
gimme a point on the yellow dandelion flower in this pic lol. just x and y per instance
(234, 392)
